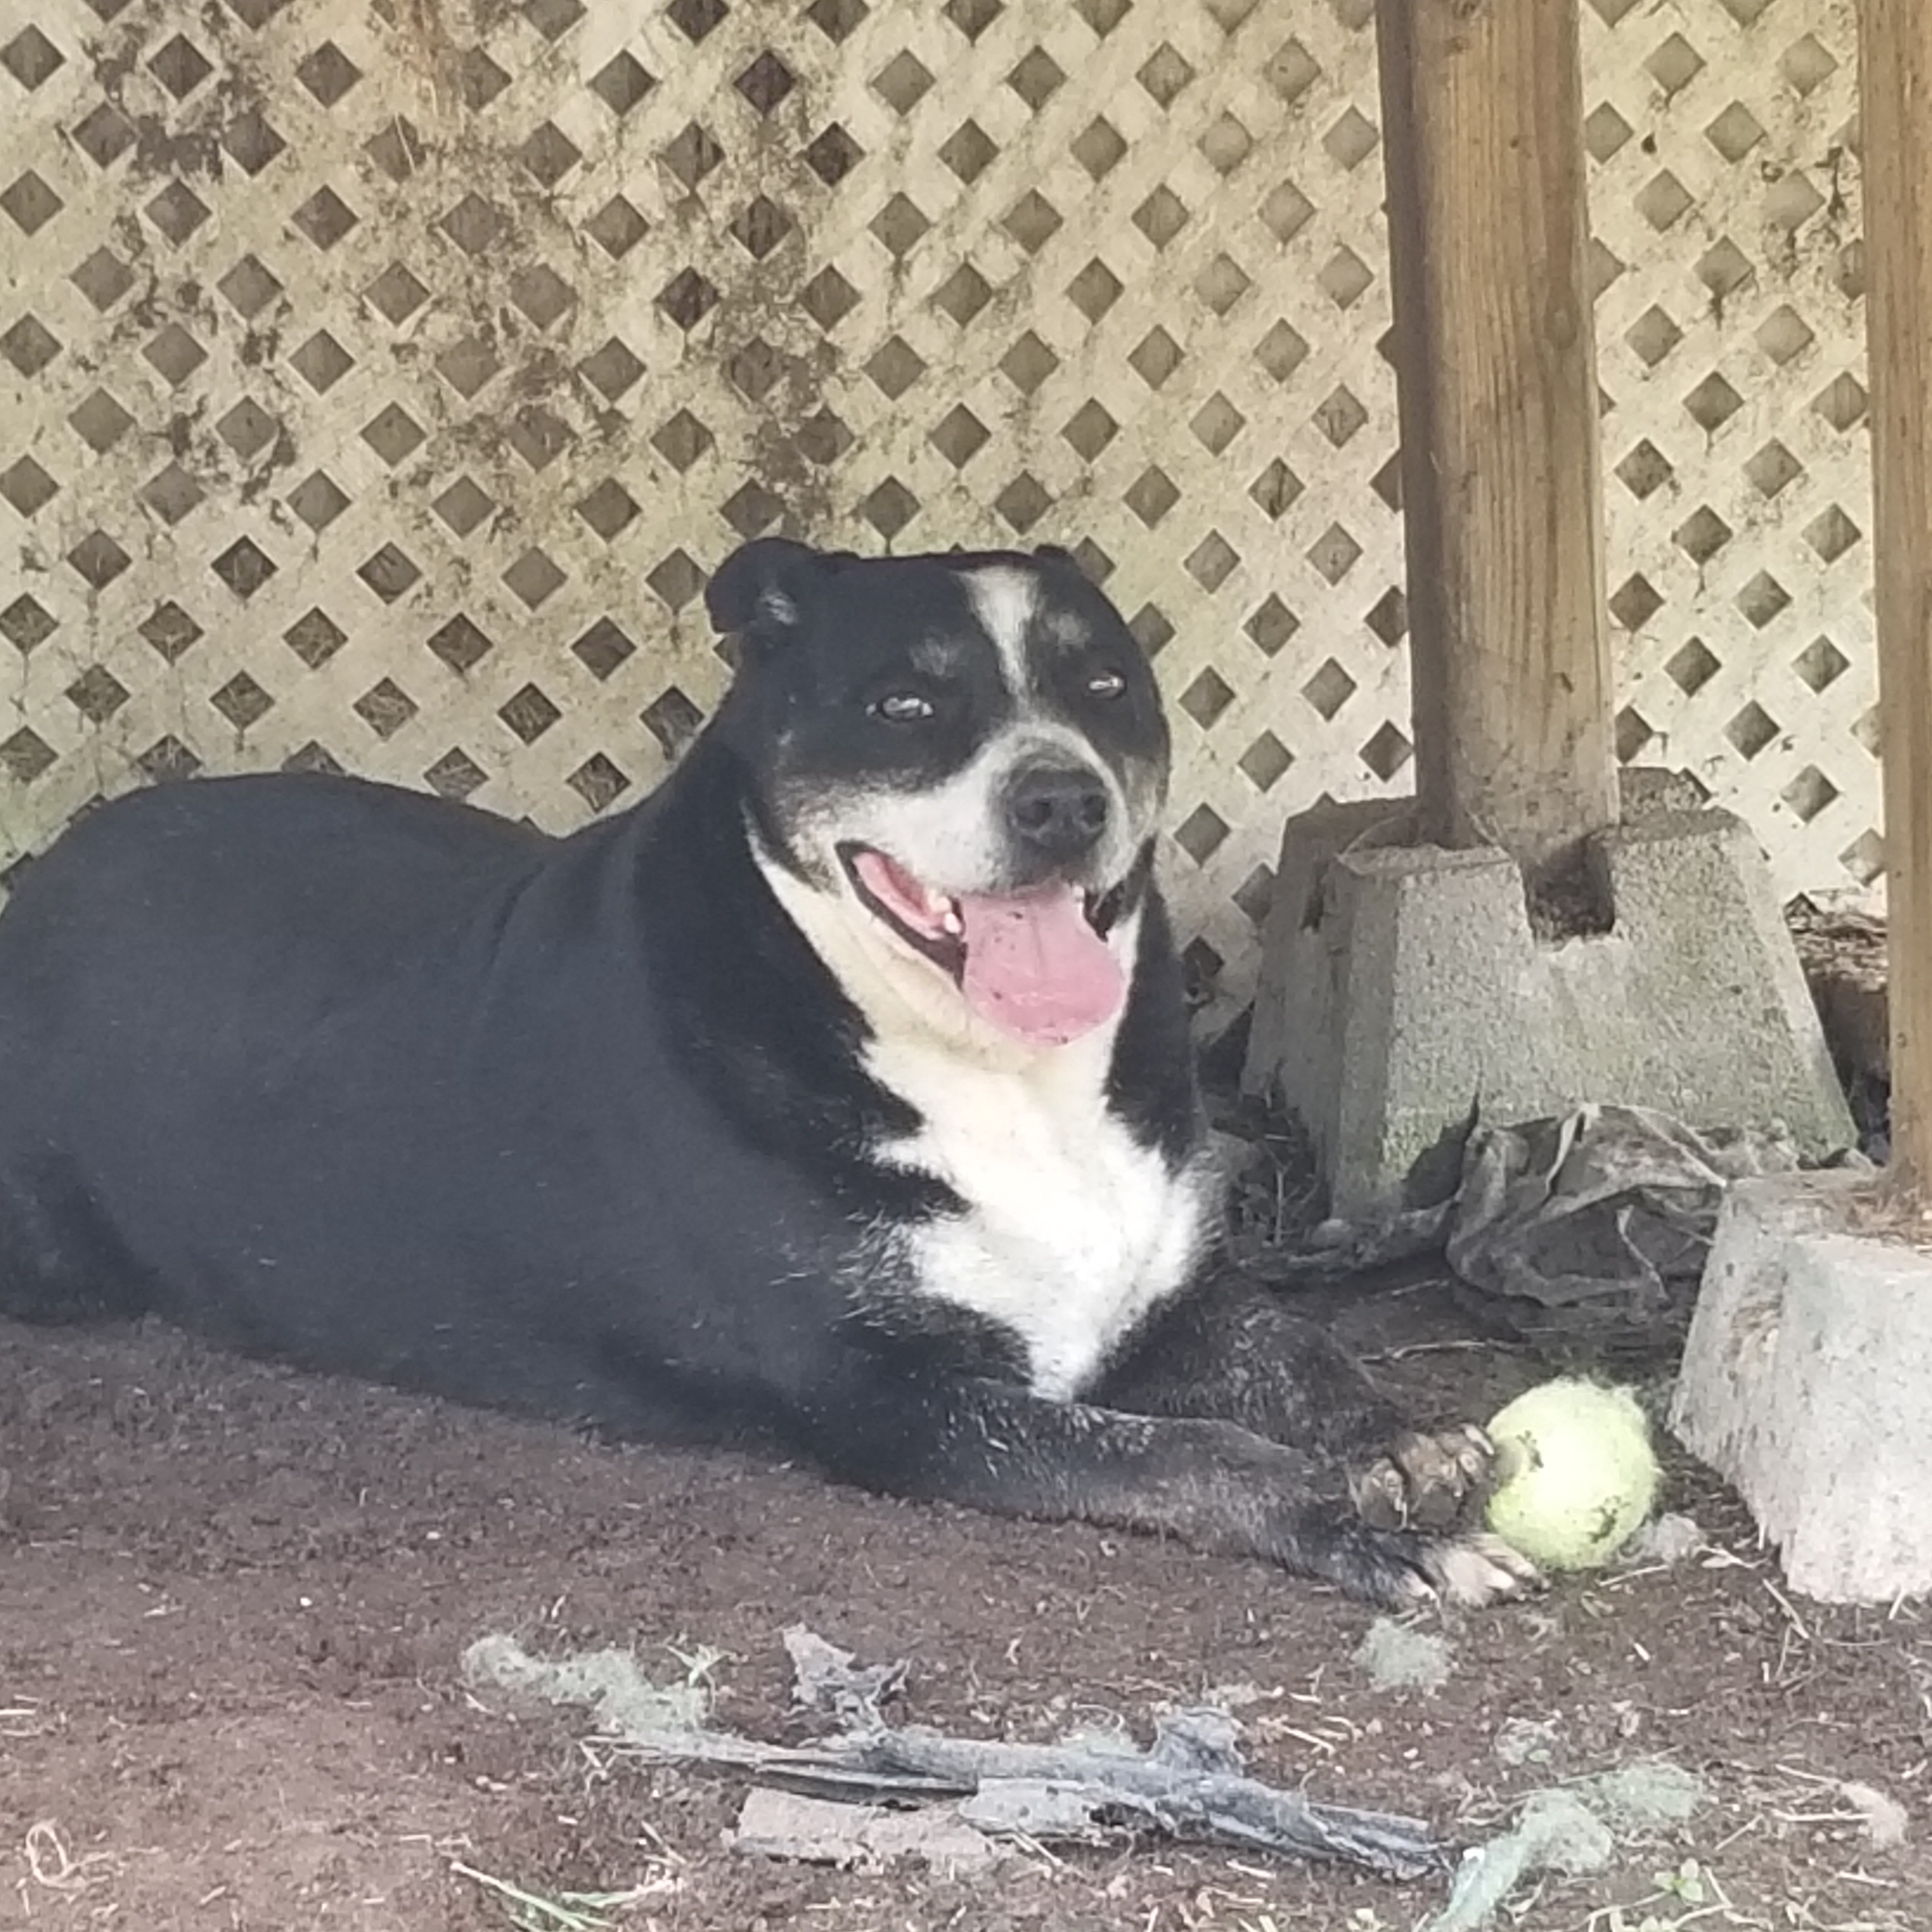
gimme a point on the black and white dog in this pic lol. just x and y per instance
(837, 1097)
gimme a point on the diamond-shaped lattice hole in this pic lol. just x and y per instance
(170, 632)
(26, 624)
(1271, 625)
(828, 299)
(1662, 200)
(1772, 468)
(1090, 429)
(463, 504)
(611, 370)
(242, 701)
(1763, 600)
(833, 155)
(1151, 495)
(167, 759)
(1276, 489)
(324, 218)
(24, 755)
(1151, 628)
(898, 226)
(252, 141)
(823, 438)
(1207, 698)
(1161, 216)
(1255, 895)
(1652, 336)
(247, 428)
(388, 572)
(1734, 132)
(766, 81)
(173, 354)
(681, 440)
(1166, 73)
(1291, 70)
(969, 151)
(322, 361)
(1691, 667)
(1635, 601)
(903, 82)
(602, 648)
(549, 154)
(533, 577)
(1352, 139)
(837, 20)
(1023, 502)
(889, 508)
(181, 67)
(1212, 561)
(1339, 415)
(1201, 833)
(1155, 357)
(1784, 334)
(98, 558)
(972, 17)
(1792, 201)
(1281, 351)
(751, 509)
(28, 487)
(29, 345)
(1864, 858)
(1028, 363)
(1841, 402)
(1221, 284)
(328, 73)
(1334, 553)
(692, 154)
(1752, 729)
(1344, 277)
(1225, 144)
(598, 781)
(1032, 221)
(103, 278)
(1712, 403)
(609, 509)
(1386, 752)
(1702, 534)
(616, 228)
(318, 500)
(1215, 423)
(1095, 289)
(31, 58)
(473, 224)
(1644, 470)
(172, 494)
(696, 18)
(244, 567)
(96, 693)
(1329, 689)
(1809, 793)
(895, 367)
(455, 775)
(1265, 762)
(676, 579)
(1388, 617)
(30, 204)
(1035, 78)
(393, 433)
(104, 137)
(1098, 147)
(315, 637)
(688, 298)
(385, 708)
(1674, 64)
(529, 713)
(960, 436)
(1630, 732)
(1605, 131)
(1832, 533)
(1806, 64)
(479, 80)
(1821, 663)
(1723, 268)
(622, 82)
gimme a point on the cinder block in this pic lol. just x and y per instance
(1401, 988)
(1807, 1383)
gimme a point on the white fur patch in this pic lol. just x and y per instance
(1005, 601)
(1073, 1232)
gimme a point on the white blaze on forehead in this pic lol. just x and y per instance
(1005, 600)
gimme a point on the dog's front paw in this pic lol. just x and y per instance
(1426, 1481)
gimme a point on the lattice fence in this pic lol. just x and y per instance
(377, 382)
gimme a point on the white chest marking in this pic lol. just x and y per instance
(1073, 1232)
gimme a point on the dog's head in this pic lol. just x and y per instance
(958, 762)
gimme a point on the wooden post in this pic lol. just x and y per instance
(1502, 492)
(1895, 80)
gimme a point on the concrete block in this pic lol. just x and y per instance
(1807, 1383)
(1402, 988)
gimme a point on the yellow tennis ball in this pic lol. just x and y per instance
(1577, 1476)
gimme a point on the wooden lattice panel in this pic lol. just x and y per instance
(375, 387)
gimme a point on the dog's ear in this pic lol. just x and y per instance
(757, 585)
(1059, 558)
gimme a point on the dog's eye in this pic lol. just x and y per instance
(902, 707)
(1106, 684)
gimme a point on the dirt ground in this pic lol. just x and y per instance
(233, 1601)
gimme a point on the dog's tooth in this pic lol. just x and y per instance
(950, 923)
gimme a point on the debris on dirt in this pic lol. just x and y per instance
(1669, 1539)
(1528, 1740)
(1886, 1822)
(1398, 1657)
(1191, 1783)
(860, 1837)
(1555, 1831)
(1572, 1830)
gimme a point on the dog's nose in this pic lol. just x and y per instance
(1057, 811)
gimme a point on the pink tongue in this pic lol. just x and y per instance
(1035, 967)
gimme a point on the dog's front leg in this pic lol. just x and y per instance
(989, 1445)
(1230, 1348)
